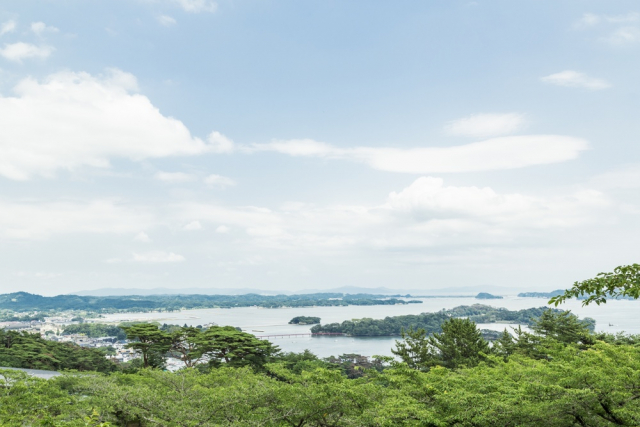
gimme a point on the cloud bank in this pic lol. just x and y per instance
(71, 120)
(485, 125)
(510, 152)
(570, 78)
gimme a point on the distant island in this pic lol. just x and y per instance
(431, 322)
(541, 294)
(304, 320)
(484, 295)
(25, 302)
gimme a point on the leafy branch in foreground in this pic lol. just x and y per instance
(623, 282)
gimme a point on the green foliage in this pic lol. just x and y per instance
(504, 346)
(304, 320)
(31, 351)
(355, 365)
(563, 327)
(623, 282)
(298, 362)
(430, 322)
(95, 330)
(235, 348)
(148, 340)
(596, 387)
(459, 345)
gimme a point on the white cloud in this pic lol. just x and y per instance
(493, 154)
(588, 20)
(428, 197)
(485, 125)
(40, 27)
(142, 237)
(166, 20)
(222, 229)
(220, 143)
(629, 33)
(71, 120)
(571, 78)
(591, 19)
(624, 36)
(219, 181)
(197, 6)
(38, 220)
(627, 17)
(193, 225)
(7, 27)
(157, 257)
(16, 52)
(174, 177)
(426, 214)
(624, 177)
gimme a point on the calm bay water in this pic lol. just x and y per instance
(615, 316)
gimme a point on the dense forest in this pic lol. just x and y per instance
(559, 375)
(431, 322)
(26, 350)
(26, 302)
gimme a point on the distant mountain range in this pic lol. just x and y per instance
(457, 291)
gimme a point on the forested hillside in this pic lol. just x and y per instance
(431, 322)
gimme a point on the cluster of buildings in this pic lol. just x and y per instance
(51, 329)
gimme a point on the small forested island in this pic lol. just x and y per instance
(485, 295)
(551, 294)
(26, 302)
(304, 320)
(431, 322)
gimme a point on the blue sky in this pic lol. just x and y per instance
(308, 145)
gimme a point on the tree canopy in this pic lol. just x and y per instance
(31, 351)
(459, 345)
(623, 282)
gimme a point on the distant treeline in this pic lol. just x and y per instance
(431, 322)
(541, 294)
(558, 292)
(23, 301)
(10, 316)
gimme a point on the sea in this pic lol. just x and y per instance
(272, 323)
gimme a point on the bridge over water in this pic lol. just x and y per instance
(299, 335)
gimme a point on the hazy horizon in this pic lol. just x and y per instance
(315, 145)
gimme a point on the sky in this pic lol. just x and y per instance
(287, 145)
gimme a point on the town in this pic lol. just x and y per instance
(114, 347)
